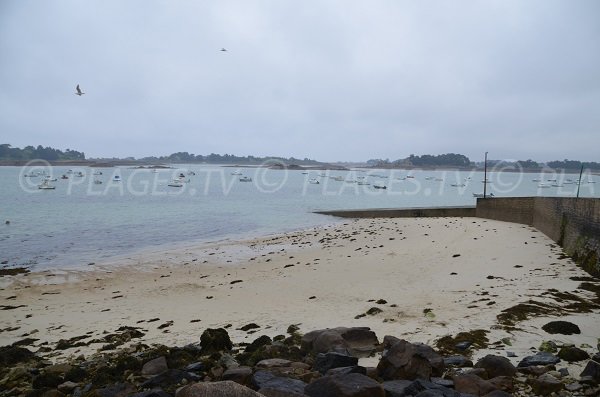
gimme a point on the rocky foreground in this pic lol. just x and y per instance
(321, 363)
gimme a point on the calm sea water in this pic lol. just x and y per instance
(81, 222)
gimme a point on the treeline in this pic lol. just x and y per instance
(185, 157)
(426, 160)
(33, 153)
(459, 160)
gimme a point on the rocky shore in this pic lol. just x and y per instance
(320, 363)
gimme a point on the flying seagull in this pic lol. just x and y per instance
(79, 92)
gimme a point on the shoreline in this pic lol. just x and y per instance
(437, 276)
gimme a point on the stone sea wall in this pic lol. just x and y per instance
(574, 223)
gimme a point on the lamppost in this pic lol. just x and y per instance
(579, 181)
(485, 175)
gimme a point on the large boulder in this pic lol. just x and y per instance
(326, 361)
(155, 367)
(540, 358)
(573, 354)
(405, 360)
(239, 375)
(496, 366)
(356, 341)
(545, 385)
(282, 386)
(472, 384)
(11, 355)
(592, 370)
(217, 389)
(561, 327)
(404, 388)
(215, 340)
(347, 385)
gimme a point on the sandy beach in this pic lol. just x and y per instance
(426, 277)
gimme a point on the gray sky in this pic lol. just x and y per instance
(325, 79)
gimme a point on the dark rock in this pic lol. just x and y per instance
(116, 390)
(596, 357)
(404, 360)
(545, 385)
(239, 375)
(498, 393)
(592, 369)
(472, 384)
(561, 327)
(195, 367)
(263, 340)
(496, 366)
(505, 383)
(67, 387)
(355, 369)
(76, 374)
(464, 345)
(350, 385)
(250, 326)
(214, 340)
(396, 388)
(155, 367)
(326, 361)
(573, 354)
(458, 361)
(270, 392)
(357, 341)
(279, 385)
(47, 380)
(169, 377)
(406, 388)
(217, 389)
(152, 393)
(11, 355)
(540, 358)
(260, 378)
(537, 370)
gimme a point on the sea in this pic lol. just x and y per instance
(82, 221)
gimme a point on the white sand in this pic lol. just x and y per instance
(407, 262)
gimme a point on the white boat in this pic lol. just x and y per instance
(45, 185)
(379, 186)
(557, 185)
(313, 181)
(304, 172)
(50, 179)
(79, 174)
(543, 185)
(428, 178)
(116, 178)
(64, 177)
(97, 172)
(236, 172)
(362, 183)
(175, 183)
(458, 185)
(245, 179)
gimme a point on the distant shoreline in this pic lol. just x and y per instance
(320, 167)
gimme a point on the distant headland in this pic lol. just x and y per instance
(13, 156)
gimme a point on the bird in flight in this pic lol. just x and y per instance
(223, 49)
(79, 92)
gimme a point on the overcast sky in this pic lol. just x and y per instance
(325, 79)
